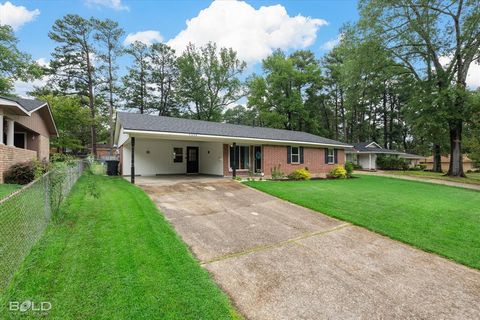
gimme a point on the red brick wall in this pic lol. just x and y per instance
(314, 160)
(12, 155)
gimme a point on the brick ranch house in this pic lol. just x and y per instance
(26, 126)
(166, 145)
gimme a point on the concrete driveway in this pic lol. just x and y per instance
(277, 260)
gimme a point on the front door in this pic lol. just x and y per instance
(192, 160)
(257, 155)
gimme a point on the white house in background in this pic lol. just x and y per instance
(365, 155)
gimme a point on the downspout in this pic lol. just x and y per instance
(132, 168)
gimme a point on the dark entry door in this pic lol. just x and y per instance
(257, 153)
(192, 159)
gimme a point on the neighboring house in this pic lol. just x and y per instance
(468, 164)
(26, 126)
(165, 145)
(103, 152)
(365, 155)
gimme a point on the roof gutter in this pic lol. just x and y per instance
(232, 138)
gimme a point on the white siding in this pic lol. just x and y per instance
(154, 157)
(364, 161)
(211, 158)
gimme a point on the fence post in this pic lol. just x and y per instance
(47, 196)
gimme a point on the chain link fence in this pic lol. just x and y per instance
(25, 214)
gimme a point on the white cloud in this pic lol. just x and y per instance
(473, 75)
(23, 87)
(113, 4)
(16, 16)
(253, 33)
(147, 37)
(332, 43)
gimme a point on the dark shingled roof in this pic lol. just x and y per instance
(144, 122)
(362, 147)
(27, 104)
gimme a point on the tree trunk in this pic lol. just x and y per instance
(456, 162)
(336, 114)
(437, 159)
(91, 104)
(385, 120)
(344, 120)
(110, 107)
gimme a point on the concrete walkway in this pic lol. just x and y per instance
(435, 181)
(277, 260)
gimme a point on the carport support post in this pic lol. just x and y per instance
(132, 168)
(234, 169)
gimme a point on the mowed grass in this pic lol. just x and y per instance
(472, 178)
(6, 189)
(114, 257)
(435, 218)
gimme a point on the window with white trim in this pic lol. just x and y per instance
(295, 155)
(331, 156)
(177, 155)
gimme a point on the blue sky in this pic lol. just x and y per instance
(253, 31)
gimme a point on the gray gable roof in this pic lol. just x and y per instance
(27, 104)
(144, 122)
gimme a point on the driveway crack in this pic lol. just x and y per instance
(275, 245)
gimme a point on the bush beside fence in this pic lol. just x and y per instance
(25, 214)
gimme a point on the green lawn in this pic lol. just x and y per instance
(472, 178)
(6, 189)
(114, 257)
(436, 218)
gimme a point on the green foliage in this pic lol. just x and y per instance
(436, 42)
(209, 80)
(14, 64)
(277, 173)
(119, 238)
(240, 115)
(97, 168)
(300, 174)
(20, 173)
(40, 168)
(72, 120)
(431, 217)
(135, 91)
(61, 157)
(349, 167)
(386, 162)
(278, 96)
(338, 172)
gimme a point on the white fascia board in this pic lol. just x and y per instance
(379, 152)
(10, 103)
(374, 144)
(207, 137)
(50, 113)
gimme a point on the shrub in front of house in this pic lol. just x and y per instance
(276, 173)
(349, 168)
(385, 162)
(20, 173)
(300, 174)
(338, 172)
